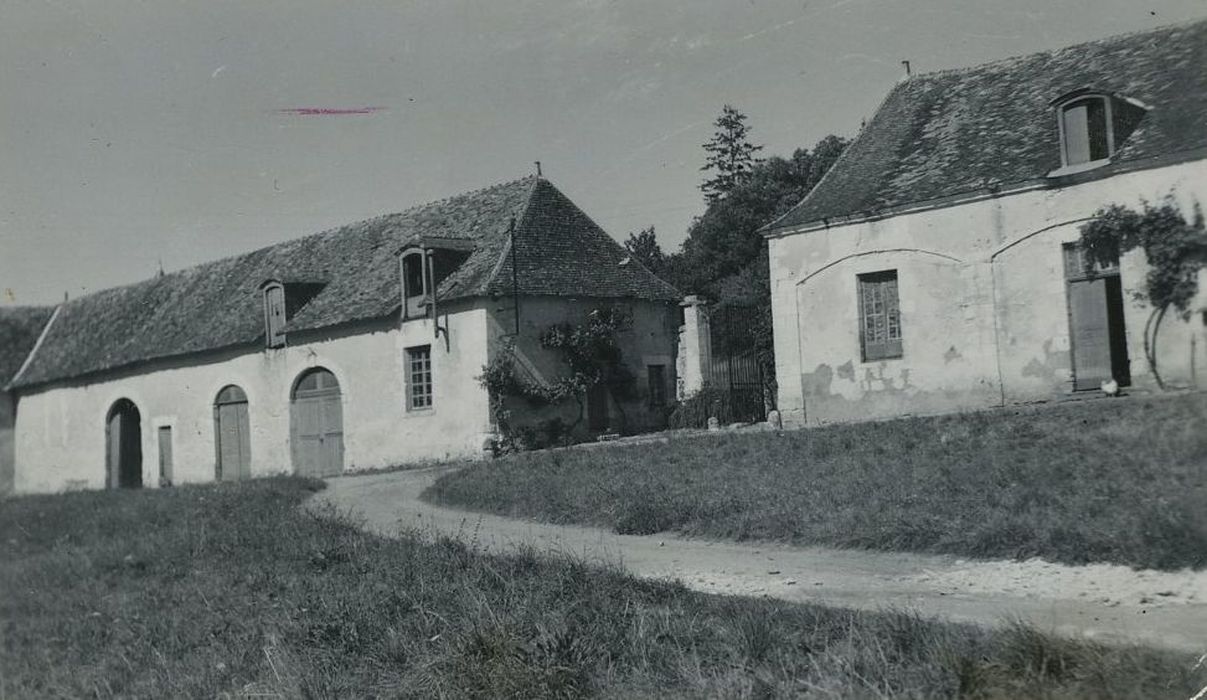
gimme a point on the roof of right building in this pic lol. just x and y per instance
(998, 126)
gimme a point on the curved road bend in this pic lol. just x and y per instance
(1105, 602)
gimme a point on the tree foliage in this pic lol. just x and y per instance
(1175, 249)
(644, 248)
(730, 154)
(724, 256)
(726, 239)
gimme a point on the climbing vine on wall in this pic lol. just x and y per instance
(1176, 250)
(592, 355)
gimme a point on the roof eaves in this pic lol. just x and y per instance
(33, 351)
(770, 229)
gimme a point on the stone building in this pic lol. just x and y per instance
(355, 348)
(936, 267)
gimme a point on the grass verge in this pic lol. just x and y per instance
(233, 591)
(1120, 481)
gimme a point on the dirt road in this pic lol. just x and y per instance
(1106, 602)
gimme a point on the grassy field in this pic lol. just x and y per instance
(1113, 480)
(232, 591)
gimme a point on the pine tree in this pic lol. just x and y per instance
(730, 154)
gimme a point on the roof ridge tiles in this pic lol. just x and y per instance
(1057, 50)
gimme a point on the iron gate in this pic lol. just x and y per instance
(735, 371)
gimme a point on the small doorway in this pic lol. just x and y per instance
(232, 434)
(1096, 327)
(123, 437)
(597, 408)
(317, 423)
(165, 455)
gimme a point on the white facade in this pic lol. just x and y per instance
(983, 302)
(60, 429)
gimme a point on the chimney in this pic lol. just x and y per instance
(907, 70)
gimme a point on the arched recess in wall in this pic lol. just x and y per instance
(316, 424)
(869, 253)
(232, 435)
(843, 296)
(123, 446)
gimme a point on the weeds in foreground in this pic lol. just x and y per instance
(231, 590)
(1120, 481)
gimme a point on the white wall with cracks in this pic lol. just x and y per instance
(983, 302)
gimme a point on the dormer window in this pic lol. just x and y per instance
(1086, 136)
(274, 314)
(414, 283)
(1092, 127)
(283, 299)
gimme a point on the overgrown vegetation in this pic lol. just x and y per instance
(232, 591)
(1175, 250)
(1111, 480)
(724, 257)
(592, 356)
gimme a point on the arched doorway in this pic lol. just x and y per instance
(316, 421)
(123, 432)
(232, 435)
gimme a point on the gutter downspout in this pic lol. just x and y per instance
(515, 283)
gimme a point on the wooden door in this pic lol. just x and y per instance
(1090, 329)
(234, 442)
(597, 408)
(124, 445)
(318, 425)
(165, 455)
(233, 435)
(1096, 327)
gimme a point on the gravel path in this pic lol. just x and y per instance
(1100, 601)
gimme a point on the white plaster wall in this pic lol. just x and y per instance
(60, 430)
(978, 281)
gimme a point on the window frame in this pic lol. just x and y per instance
(410, 356)
(890, 348)
(1107, 124)
(414, 306)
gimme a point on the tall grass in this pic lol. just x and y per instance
(1120, 481)
(232, 591)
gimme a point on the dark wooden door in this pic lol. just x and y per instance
(597, 408)
(1097, 332)
(124, 448)
(318, 425)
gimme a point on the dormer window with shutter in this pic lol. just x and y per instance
(424, 265)
(274, 314)
(1092, 128)
(283, 300)
(414, 283)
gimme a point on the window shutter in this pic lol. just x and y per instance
(274, 316)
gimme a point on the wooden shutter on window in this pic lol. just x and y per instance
(274, 315)
(879, 316)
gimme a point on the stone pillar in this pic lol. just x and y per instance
(695, 347)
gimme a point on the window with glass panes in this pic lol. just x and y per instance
(879, 316)
(419, 372)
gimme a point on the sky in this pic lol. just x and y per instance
(140, 135)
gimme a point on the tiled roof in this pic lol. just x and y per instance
(990, 127)
(218, 304)
(20, 327)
